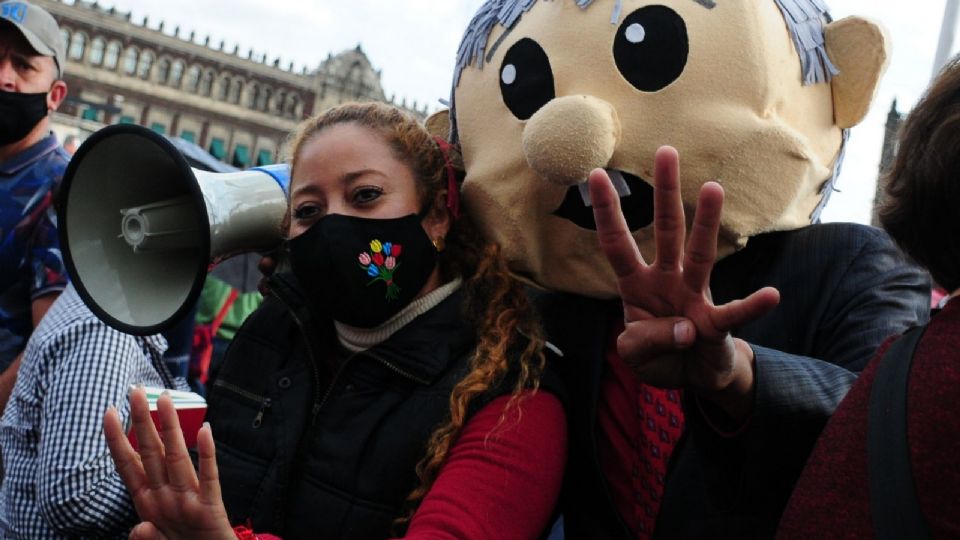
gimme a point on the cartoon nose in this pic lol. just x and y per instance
(569, 137)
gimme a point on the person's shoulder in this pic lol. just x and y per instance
(834, 245)
(837, 235)
(70, 319)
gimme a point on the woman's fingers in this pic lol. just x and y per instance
(151, 448)
(179, 467)
(668, 218)
(146, 531)
(124, 456)
(209, 475)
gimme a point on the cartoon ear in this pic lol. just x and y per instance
(438, 124)
(858, 48)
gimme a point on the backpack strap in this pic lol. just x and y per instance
(218, 320)
(893, 496)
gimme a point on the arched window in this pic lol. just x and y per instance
(78, 45)
(163, 70)
(224, 92)
(265, 103)
(130, 61)
(146, 62)
(193, 79)
(176, 74)
(65, 37)
(112, 55)
(281, 102)
(254, 96)
(206, 83)
(96, 50)
(292, 104)
(236, 91)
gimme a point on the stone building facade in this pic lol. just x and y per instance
(238, 106)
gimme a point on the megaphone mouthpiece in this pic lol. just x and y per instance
(160, 226)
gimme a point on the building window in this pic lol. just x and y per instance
(78, 44)
(96, 51)
(241, 156)
(264, 104)
(176, 74)
(217, 148)
(146, 62)
(188, 136)
(236, 91)
(163, 71)
(159, 128)
(193, 79)
(127, 120)
(89, 113)
(112, 56)
(206, 84)
(65, 37)
(224, 93)
(264, 157)
(292, 104)
(254, 96)
(130, 61)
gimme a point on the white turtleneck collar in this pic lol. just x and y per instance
(356, 339)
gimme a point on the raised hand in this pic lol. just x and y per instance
(674, 335)
(166, 492)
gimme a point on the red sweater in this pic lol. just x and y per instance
(831, 499)
(501, 480)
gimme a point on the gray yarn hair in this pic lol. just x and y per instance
(805, 20)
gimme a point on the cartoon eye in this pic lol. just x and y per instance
(526, 80)
(651, 48)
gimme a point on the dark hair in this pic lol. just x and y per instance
(494, 300)
(923, 187)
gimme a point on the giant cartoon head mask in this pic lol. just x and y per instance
(756, 94)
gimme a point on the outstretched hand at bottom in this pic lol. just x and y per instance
(168, 496)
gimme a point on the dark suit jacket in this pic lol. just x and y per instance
(844, 288)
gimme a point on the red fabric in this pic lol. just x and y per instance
(202, 351)
(244, 532)
(502, 478)
(453, 190)
(499, 482)
(831, 499)
(639, 428)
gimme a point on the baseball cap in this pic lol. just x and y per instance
(38, 27)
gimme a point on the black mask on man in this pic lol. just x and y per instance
(20, 113)
(363, 271)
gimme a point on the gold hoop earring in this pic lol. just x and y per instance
(440, 244)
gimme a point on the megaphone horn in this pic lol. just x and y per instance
(139, 228)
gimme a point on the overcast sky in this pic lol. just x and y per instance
(414, 42)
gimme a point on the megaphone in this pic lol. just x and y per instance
(139, 228)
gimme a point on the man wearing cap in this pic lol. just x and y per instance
(32, 273)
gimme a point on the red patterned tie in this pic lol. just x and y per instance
(639, 428)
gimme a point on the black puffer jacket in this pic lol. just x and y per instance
(307, 449)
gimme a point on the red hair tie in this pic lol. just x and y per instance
(453, 191)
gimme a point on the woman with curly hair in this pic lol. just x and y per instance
(394, 380)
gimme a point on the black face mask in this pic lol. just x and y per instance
(362, 271)
(20, 113)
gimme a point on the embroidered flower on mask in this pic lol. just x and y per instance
(380, 263)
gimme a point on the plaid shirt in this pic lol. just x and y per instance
(60, 480)
(30, 262)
